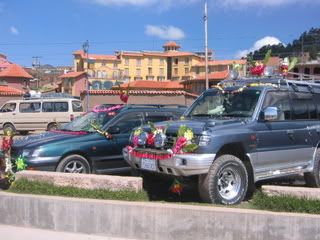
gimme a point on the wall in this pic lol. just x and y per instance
(4, 99)
(142, 220)
(139, 99)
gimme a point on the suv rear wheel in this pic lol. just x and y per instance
(74, 164)
(313, 178)
(226, 182)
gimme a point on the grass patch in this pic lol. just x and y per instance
(43, 188)
(285, 203)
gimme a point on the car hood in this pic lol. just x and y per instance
(44, 138)
(199, 125)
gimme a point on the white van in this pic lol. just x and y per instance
(38, 114)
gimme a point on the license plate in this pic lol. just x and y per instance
(148, 164)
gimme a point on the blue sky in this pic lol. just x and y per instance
(54, 29)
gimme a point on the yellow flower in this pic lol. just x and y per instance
(182, 118)
(138, 131)
(188, 135)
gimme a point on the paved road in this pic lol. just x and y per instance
(19, 233)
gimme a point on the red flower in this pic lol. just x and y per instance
(257, 70)
(176, 187)
(6, 144)
(181, 141)
(124, 96)
(150, 139)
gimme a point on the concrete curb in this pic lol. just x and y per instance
(300, 192)
(142, 220)
(86, 181)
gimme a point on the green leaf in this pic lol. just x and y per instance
(190, 148)
(292, 63)
(182, 130)
(152, 126)
(267, 57)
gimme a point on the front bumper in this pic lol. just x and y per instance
(42, 163)
(178, 165)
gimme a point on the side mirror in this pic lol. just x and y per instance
(270, 114)
(113, 130)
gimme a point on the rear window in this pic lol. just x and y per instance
(55, 107)
(30, 107)
(77, 106)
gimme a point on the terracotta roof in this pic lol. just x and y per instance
(140, 92)
(14, 70)
(72, 74)
(9, 91)
(96, 56)
(171, 44)
(145, 84)
(212, 76)
(221, 62)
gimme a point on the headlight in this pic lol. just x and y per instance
(142, 139)
(204, 140)
(31, 153)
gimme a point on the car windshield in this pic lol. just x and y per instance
(236, 103)
(83, 123)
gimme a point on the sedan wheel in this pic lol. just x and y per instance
(74, 164)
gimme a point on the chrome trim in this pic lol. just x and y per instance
(42, 160)
(178, 165)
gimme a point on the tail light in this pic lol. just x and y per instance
(71, 117)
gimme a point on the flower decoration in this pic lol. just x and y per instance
(183, 143)
(287, 65)
(176, 187)
(124, 96)
(98, 129)
(20, 163)
(257, 68)
(99, 108)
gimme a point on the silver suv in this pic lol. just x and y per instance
(245, 131)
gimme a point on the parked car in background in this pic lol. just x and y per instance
(38, 114)
(78, 148)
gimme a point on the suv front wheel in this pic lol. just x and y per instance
(226, 182)
(74, 164)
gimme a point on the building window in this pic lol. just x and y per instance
(161, 61)
(176, 71)
(138, 62)
(103, 63)
(138, 72)
(316, 71)
(197, 70)
(307, 71)
(161, 72)
(126, 61)
(115, 65)
(115, 75)
(176, 61)
(186, 61)
(150, 61)
(126, 71)
(150, 71)
(186, 71)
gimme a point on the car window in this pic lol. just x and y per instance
(281, 101)
(129, 121)
(9, 107)
(55, 107)
(303, 106)
(77, 106)
(158, 117)
(30, 107)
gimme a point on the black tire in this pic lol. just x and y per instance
(10, 127)
(74, 164)
(313, 178)
(52, 126)
(227, 171)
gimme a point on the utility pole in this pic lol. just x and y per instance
(206, 42)
(36, 65)
(85, 47)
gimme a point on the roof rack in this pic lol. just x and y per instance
(49, 96)
(156, 105)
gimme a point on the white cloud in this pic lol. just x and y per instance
(267, 3)
(14, 30)
(268, 40)
(165, 32)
